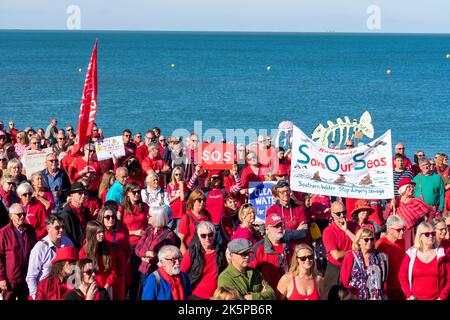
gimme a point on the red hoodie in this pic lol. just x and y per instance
(35, 215)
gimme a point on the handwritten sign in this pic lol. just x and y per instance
(217, 156)
(260, 197)
(363, 172)
(110, 146)
(34, 160)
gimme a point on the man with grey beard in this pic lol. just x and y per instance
(272, 255)
(167, 282)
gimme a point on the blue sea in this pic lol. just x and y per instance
(222, 80)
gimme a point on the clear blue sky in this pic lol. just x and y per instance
(413, 16)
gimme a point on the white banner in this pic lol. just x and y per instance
(34, 160)
(109, 146)
(363, 172)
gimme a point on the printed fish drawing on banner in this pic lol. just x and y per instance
(321, 134)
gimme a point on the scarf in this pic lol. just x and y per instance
(176, 287)
(368, 281)
(412, 211)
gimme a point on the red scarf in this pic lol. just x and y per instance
(176, 286)
(412, 211)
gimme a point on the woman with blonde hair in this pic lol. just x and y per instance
(425, 270)
(14, 168)
(21, 145)
(364, 269)
(225, 293)
(108, 180)
(178, 193)
(300, 283)
(246, 229)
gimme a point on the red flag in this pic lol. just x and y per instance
(88, 108)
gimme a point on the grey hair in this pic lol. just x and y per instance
(13, 208)
(206, 224)
(394, 219)
(160, 216)
(7, 177)
(149, 176)
(164, 252)
(121, 169)
(23, 188)
(35, 174)
(423, 160)
(153, 145)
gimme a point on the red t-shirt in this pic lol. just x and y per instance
(207, 283)
(425, 284)
(136, 221)
(141, 152)
(395, 252)
(187, 227)
(178, 207)
(335, 239)
(214, 205)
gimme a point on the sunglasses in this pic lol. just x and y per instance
(70, 129)
(341, 214)
(429, 234)
(177, 174)
(349, 145)
(277, 226)
(399, 230)
(52, 160)
(2, 137)
(162, 140)
(20, 214)
(200, 200)
(27, 194)
(303, 259)
(136, 192)
(368, 239)
(209, 235)
(3, 159)
(82, 193)
(90, 272)
(57, 228)
(110, 217)
(215, 178)
(244, 254)
(11, 183)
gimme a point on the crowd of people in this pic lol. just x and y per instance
(155, 225)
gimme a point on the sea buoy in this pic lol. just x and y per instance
(389, 72)
(79, 70)
(269, 68)
(173, 65)
(448, 56)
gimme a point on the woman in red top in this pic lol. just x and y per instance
(133, 213)
(88, 288)
(178, 193)
(54, 286)
(361, 214)
(97, 249)
(246, 229)
(425, 270)
(42, 194)
(195, 213)
(35, 213)
(108, 180)
(120, 243)
(300, 283)
(215, 193)
(252, 173)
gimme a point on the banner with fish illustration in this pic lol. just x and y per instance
(363, 172)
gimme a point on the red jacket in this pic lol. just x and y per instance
(443, 264)
(51, 289)
(35, 216)
(14, 261)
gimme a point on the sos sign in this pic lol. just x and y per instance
(216, 156)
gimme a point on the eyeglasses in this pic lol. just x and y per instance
(341, 213)
(244, 254)
(81, 193)
(90, 272)
(126, 135)
(61, 138)
(442, 229)
(162, 140)
(200, 200)
(303, 259)
(400, 148)
(368, 239)
(27, 194)
(421, 155)
(173, 260)
(135, 192)
(69, 129)
(429, 234)
(109, 217)
(209, 235)
(399, 230)
(58, 228)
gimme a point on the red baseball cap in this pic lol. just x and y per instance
(213, 173)
(273, 220)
